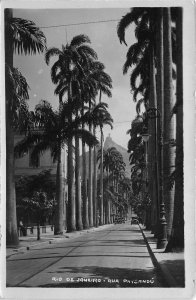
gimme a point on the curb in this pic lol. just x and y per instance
(167, 277)
(55, 240)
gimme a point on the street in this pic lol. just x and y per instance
(116, 256)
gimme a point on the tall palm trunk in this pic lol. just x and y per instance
(177, 237)
(90, 180)
(152, 142)
(11, 220)
(109, 204)
(106, 203)
(95, 183)
(160, 104)
(59, 214)
(101, 180)
(71, 221)
(101, 173)
(58, 221)
(84, 182)
(169, 151)
(79, 225)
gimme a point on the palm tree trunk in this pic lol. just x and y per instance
(104, 211)
(95, 183)
(84, 182)
(101, 173)
(152, 142)
(176, 240)
(108, 211)
(160, 104)
(108, 200)
(101, 180)
(11, 219)
(79, 225)
(90, 180)
(169, 151)
(90, 183)
(71, 221)
(58, 221)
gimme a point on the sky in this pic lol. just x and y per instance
(104, 41)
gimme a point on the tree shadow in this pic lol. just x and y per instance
(130, 242)
(177, 269)
(152, 240)
(79, 255)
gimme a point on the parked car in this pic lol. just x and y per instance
(134, 220)
(119, 220)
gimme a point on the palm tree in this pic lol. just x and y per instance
(97, 80)
(70, 61)
(90, 179)
(105, 119)
(21, 36)
(53, 132)
(104, 86)
(79, 225)
(169, 151)
(108, 160)
(112, 162)
(99, 116)
(152, 144)
(88, 94)
(176, 240)
(160, 97)
(18, 120)
(147, 21)
(84, 181)
(136, 148)
(141, 55)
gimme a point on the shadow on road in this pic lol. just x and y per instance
(178, 267)
(130, 241)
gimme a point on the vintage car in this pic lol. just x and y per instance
(119, 220)
(134, 220)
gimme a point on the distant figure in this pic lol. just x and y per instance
(98, 219)
(22, 228)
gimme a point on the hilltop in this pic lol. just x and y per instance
(110, 143)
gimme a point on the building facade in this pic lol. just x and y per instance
(24, 166)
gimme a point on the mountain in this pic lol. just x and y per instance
(110, 143)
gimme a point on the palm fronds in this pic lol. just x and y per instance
(27, 38)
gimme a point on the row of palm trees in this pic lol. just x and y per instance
(79, 78)
(156, 62)
(116, 191)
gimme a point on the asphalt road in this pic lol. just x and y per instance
(113, 257)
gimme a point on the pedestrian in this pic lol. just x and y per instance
(98, 219)
(22, 228)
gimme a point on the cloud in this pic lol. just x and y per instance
(34, 95)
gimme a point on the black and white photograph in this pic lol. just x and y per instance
(97, 109)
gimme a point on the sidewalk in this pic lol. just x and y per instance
(30, 241)
(171, 265)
